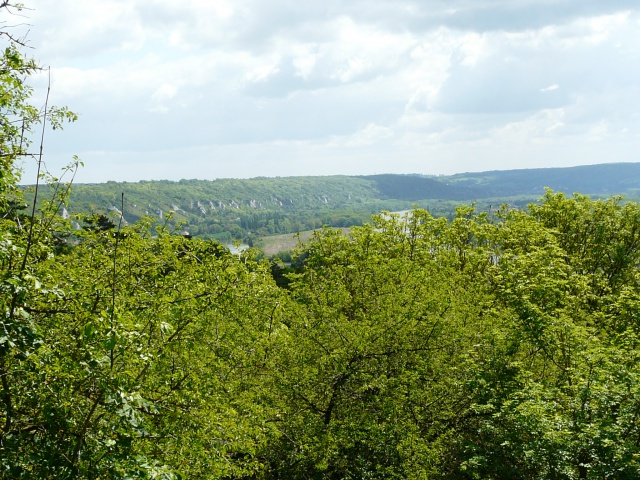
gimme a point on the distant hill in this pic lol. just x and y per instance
(604, 179)
(418, 187)
(228, 209)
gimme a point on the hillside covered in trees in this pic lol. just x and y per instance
(228, 209)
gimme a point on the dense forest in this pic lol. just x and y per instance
(490, 345)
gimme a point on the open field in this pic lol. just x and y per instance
(274, 244)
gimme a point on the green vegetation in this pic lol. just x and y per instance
(493, 344)
(249, 210)
(490, 346)
(607, 179)
(226, 210)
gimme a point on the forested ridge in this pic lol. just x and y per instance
(493, 344)
(248, 209)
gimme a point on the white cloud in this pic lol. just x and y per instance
(400, 81)
(537, 127)
(371, 134)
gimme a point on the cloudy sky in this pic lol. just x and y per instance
(244, 88)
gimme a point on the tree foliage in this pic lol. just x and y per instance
(497, 344)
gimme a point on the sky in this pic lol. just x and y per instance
(243, 88)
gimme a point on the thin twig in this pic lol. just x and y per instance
(35, 194)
